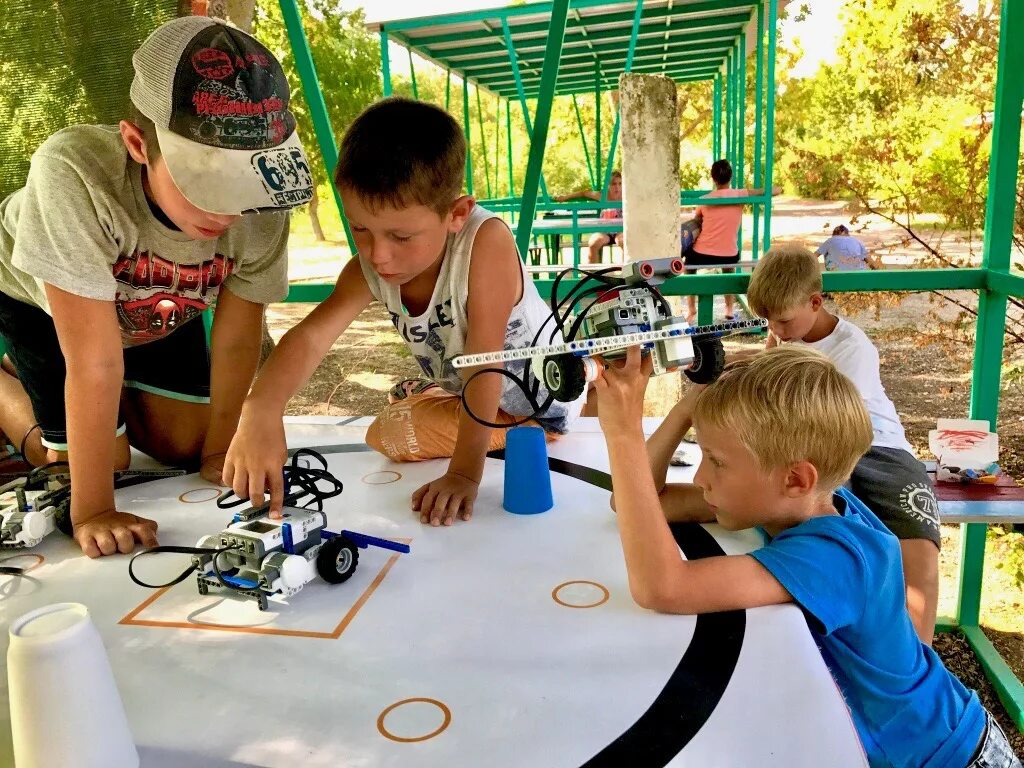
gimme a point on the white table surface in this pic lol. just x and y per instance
(466, 620)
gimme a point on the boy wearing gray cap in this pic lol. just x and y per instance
(121, 238)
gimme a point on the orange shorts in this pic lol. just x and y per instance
(426, 425)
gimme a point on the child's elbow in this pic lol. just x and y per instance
(655, 599)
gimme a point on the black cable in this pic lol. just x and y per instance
(306, 478)
(24, 440)
(215, 551)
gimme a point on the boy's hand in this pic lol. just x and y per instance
(441, 500)
(620, 391)
(111, 532)
(255, 460)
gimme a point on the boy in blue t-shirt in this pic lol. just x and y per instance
(780, 434)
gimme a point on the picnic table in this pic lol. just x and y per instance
(506, 641)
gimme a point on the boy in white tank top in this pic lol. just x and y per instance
(450, 276)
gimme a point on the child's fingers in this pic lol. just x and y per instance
(437, 513)
(125, 539)
(228, 473)
(417, 496)
(427, 504)
(145, 532)
(240, 484)
(88, 544)
(276, 482)
(105, 542)
(452, 509)
(257, 484)
(467, 508)
(632, 359)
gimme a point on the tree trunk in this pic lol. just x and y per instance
(314, 216)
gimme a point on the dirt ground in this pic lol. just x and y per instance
(924, 382)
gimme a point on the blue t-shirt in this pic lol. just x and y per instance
(843, 252)
(845, 572)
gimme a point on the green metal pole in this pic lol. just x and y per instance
(991, 323)
(769, 154)
(447, 89)
(385, 59)
(497, 140)
(637, 15)
(508, 134)
(742, 132)
(742, 129)
(583, 141)
(597, 121)
(538, 139)
(522, 92)
(716, 118)
(412, 72)
(315, 100)
(483, 142)
(468, 134)
(729, 88)
(758, 125)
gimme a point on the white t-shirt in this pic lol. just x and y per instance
(852, 352)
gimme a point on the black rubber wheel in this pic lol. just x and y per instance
(337, 559)
(708, 361)
(563, 376)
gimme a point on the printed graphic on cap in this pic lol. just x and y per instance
(230, 92)
(285, 176)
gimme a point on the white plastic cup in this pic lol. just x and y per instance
(65, 708)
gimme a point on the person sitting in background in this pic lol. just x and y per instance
(599, 240)
(716, 245)
(843, 252)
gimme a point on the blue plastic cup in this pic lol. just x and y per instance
(527, 478)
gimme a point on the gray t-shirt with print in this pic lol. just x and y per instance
(82, 224)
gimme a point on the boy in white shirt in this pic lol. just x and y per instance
(786, 290)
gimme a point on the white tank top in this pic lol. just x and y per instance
(439, 334)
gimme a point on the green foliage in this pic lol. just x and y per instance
(63, 64)
(1012, 547)
(347, 58)
(899, 116)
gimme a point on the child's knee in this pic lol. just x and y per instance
(416, 429)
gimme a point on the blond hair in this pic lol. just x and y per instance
(790, 404)
(787, 276)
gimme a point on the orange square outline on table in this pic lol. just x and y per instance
(130, 620)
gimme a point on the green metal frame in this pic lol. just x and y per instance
(576, 60)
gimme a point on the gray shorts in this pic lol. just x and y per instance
(994, 750)
(896, 487)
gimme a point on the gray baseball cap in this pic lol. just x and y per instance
(219, 100)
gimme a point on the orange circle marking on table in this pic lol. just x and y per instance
(418, 700)
(39, 560)
(183, 500)
(560, 587)
(395, 479)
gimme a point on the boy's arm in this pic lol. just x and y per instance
(589, 194)
(681, 502)
(659, 578)
(90, 340)
(235, 344)
(495, 286)
(258, 450)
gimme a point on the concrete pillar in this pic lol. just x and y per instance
(649, 132)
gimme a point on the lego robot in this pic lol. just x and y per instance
(265, 558)
(26, 517)
(631, 312)
(261, 557)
